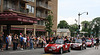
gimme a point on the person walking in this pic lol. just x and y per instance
(97, 43)
(7, 42)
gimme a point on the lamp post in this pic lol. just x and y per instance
(79, 19)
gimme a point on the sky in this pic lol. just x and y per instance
(69, 9)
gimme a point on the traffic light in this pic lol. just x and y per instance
(85, 25)
(79, 27)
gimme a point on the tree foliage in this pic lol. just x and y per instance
(49, 23)
(95, 26)
(73, 28)
(85, 26)
(63, 24)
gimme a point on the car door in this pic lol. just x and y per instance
(66, 46)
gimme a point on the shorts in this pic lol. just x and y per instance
(9, 42)
(97, 44)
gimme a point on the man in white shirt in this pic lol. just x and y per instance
(25, 39)
(10, 39)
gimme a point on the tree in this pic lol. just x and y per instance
(95, 26)
(49, 23)
(86, 27)
(73, 28)
(63, 24)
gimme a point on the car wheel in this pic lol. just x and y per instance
(61, 51)
(46, 52)
(91, 45)
(69, 49)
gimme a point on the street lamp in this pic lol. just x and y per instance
(79, 18)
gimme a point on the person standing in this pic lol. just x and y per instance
(1, 41)
(28, 39)
(17, 41)
(7, 42)
(97, 43)
(10, 39)
(21, 42)
(24, 42)
(14, 42)
(31, 42)
(47, 40)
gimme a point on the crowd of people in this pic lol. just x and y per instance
(31, 41)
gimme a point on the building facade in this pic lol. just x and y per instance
(27, 16)
(63, 32)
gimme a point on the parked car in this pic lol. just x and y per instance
(59, 46)
(78, 45)
(89, 43)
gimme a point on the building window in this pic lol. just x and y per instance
(31, 0)
(31, 9)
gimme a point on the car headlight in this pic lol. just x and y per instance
(46, 45)
(57, 47)
(79, 44)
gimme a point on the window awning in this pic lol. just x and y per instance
(16, 19)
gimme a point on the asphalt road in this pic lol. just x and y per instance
(40, 51)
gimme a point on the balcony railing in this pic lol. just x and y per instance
(41, 15)
(16, 9)
(43, 5)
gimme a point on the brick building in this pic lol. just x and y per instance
(27, 16)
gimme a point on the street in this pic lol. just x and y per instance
(40, 51)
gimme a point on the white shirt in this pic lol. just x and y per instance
(24, 39)
(10, 38)
(20, 36)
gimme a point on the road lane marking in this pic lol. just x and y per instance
(20, 51)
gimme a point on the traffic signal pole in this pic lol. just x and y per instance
(79, 20)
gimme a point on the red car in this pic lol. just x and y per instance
(59, 46)
(89, 43)
(78, 45)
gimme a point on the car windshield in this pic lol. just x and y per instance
(78, 41)
(88, 40)
(59, 41)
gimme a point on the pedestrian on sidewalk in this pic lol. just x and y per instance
(34, 42)
(31, 42)
(24, 42)
(14, 42)
(10, 39)
(21, 42)
(28, 39)
(17, 41)
(7, 42)
(97, 43)
(1, 41)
